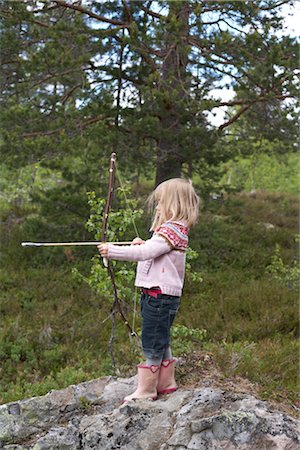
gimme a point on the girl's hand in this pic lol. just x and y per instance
(103, 250)
(137, 241)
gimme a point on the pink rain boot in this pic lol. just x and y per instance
(147, 382)
(166, 381)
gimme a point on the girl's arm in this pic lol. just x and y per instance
(152, 248)
(103, 247)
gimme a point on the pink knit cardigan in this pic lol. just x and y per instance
(161, 259)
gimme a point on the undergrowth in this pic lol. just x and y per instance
(55, 330)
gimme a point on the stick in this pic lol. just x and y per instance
(65, 244)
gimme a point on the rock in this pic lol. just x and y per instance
(91, 416)
(20, 420)
(14, 447)
(268, 226)
(59, 438)
(218, 217)
(133, 427)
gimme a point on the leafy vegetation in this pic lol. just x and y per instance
(55, 329)
(140, 78)
(77, 83)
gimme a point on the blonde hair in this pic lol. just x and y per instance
(178, 201)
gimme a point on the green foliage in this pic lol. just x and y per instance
(59, 97)
(192, 255)
(262, 171)
(57, 347)
(239, 306)
(286, 274)
(64, 377)
(19, 186)
(119, 228)
(121, 220)
(235, 303)
(185, 338)
(234, 231)
(271, 363)
(18, 349)
(85, 404)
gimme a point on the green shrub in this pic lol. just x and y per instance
(184, 338)
(286, 274)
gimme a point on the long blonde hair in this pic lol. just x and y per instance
(178, 201)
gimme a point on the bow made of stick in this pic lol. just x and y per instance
(117, 302)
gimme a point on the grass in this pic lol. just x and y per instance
(271, 363)
(238, 308)
(55, 331)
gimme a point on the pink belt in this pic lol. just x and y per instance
(153, 291)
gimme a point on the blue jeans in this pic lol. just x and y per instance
(158, 315)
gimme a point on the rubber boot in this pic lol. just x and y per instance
(166, 381)
(147, 383)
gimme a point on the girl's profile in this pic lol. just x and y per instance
(160, 276)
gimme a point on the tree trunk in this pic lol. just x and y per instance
(173, 90)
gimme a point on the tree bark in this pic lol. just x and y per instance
(172, 91)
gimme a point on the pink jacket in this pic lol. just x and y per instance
(161, 259)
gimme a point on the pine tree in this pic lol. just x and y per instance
(136, 76)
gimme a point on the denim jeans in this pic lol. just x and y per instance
(158, 315)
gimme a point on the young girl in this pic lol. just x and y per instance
(160, 275)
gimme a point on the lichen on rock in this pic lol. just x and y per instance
(91, 416)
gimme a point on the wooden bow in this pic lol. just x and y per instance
(117, 302)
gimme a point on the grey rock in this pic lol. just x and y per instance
(268, 226)
(91, 416)
(115, 391)
(180, 437)
(20, 420)
(59, 438)
(14, 447)
(157, 433)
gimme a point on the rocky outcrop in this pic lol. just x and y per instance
(91, 416)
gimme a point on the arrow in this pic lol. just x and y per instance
(65, 244)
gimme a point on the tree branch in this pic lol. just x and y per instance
(276, 5)
(235, 117)
(37, 22)
(217, 69)
(127, 12)
(59, 74)
(68, 94)
(259, 99)
(90, 13)
(192, 40)
(153, 14)
(41, 133)
(43, 10)
(246, 107)
(80, 125)
(234, 28)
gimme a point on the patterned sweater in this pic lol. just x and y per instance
(161, 259)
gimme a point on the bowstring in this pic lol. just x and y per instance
(126, 200)
(127, 203)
